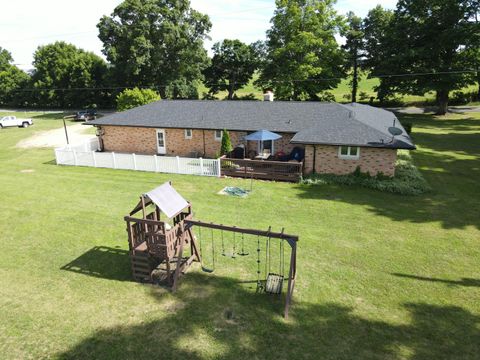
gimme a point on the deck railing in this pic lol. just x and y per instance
(257, 169)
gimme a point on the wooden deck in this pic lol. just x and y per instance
(258, 169)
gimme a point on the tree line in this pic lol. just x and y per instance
(422, 46)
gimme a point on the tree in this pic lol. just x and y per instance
(68, 77)
(353, 46)
(226, 147)
(473, 50)
(232, 67)
(132, 98)
(156, 43)
(12, 81)
(303, 57)
(377, 52)
(429, 37)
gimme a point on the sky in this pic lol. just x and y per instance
(27, 24)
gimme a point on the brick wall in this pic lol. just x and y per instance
(144, 141)
(372, 160)
(129, 140)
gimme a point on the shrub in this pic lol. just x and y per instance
(226, 147)
(461, 98)
(132, 98)
(407, 181)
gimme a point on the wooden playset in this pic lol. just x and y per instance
(163, 248)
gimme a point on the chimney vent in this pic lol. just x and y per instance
(268, 96)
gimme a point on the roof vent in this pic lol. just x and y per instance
(268, 96)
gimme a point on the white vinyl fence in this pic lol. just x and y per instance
(86, 155)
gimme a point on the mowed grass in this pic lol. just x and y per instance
(380, 276)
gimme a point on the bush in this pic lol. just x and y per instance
(132, 98)
(226, 147)
(461, 98)
(407, 181)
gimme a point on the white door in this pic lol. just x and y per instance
(161, 142)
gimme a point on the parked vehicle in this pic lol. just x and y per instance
(85, 115)
(9, 121)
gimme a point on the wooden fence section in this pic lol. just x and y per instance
(266, 170)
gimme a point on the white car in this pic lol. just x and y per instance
(8, 121)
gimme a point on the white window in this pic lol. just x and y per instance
(349, 152)
(188, 133)
(218, 135)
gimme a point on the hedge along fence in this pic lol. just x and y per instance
(87, 154)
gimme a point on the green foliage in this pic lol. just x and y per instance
(132, 98)
(226, 146)
(462, 98)
(181, 89)
(364, 96)
(326, 96)
(75, 71)
(439, 35)
(301, 50)
(233, 65)
(12, 81)
(407, 181)
(156, 43)
(353, 47)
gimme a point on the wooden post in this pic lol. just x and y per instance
(219, 167)
(291, 279)
(134, 162)
(178, 165)
(201, 166)
(114, 160)
(94, 159)
(181, 235)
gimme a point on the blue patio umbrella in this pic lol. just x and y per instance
(262, 135)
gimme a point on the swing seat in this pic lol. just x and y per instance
(207, 270)
(274, 284)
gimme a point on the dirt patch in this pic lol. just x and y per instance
(56, 138)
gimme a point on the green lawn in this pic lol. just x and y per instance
(365, 85)
(380, 276)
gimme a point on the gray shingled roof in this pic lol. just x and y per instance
(312, 122)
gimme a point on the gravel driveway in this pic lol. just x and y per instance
(56, 138)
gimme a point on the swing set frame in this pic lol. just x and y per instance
(291, 240)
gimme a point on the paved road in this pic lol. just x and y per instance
(431, 109)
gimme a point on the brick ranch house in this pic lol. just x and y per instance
(336, 138)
